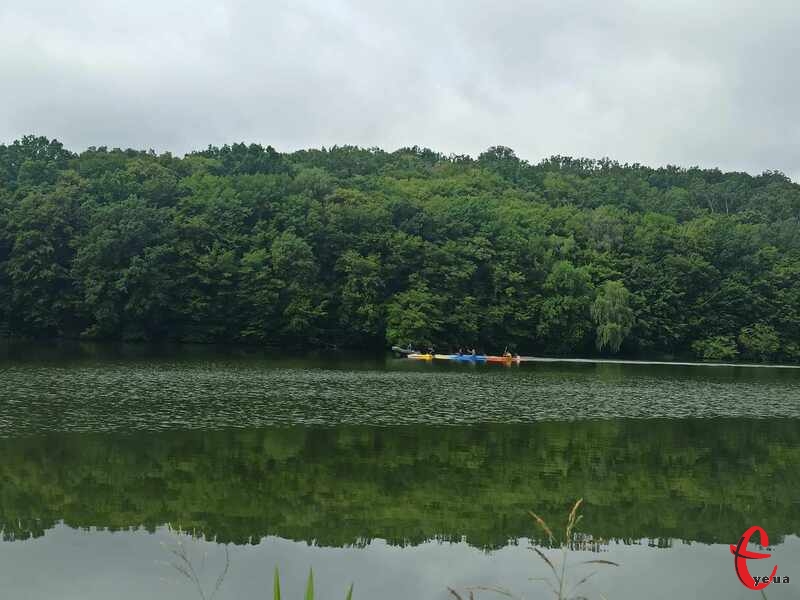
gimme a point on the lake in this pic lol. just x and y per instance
(402, 477)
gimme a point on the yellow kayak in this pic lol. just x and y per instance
(418, 356)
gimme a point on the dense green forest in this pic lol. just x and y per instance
(356, 247)
(689, 480)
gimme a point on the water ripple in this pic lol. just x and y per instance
(160, 395)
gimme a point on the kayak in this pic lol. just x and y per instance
(461, 357)
(466, 358)
(503, 359)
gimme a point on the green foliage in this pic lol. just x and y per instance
(359, 247)
(564, 310)
(718, 347)
(613, 315)
(40, 233)
(759, 341)
(415, 316)
(31, 161)
(124, 269)
(361, 289)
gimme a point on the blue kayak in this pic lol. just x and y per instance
(461, 357)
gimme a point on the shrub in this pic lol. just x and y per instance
(718, 347)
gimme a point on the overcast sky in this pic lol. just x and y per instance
(678, 82)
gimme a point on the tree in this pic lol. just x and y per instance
(759, 341)
(564, 308)
(719, 347)
(299, 300)
(32, 161)
(361, 311)
(501, 160)
(612, 315)
(42, 231)
(124, 268)
(414, 316)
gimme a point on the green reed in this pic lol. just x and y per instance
(559, 581)
(276, 587)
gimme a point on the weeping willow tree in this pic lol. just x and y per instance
(612, 315)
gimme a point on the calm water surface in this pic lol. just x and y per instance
(403, 477)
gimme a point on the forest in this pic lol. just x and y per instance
(348, 247)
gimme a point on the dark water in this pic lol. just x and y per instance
(403, 477)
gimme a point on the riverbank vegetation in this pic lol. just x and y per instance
(360, 247)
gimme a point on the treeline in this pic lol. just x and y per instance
(359, 248)
(698, 480)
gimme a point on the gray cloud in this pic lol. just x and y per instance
(713, 84)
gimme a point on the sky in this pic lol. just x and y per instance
(713, 83)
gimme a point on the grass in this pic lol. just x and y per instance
(185, 566)
(559, 582)
(276, 587)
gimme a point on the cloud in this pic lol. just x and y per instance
(712, 84)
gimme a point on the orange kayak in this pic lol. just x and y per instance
(503, 359)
